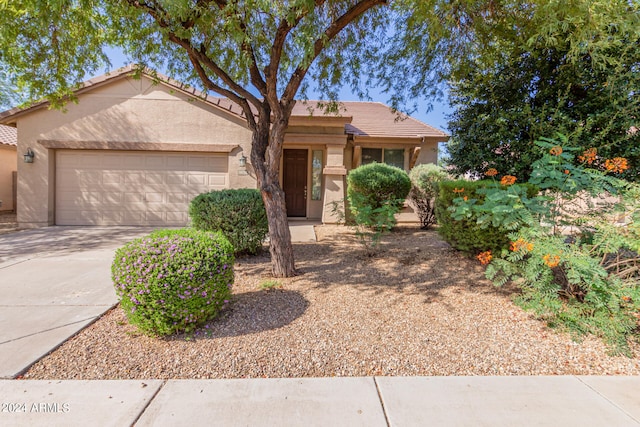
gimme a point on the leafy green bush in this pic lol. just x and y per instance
(239, 214)
(376, 193)
(587, 281)
(424, 190)
(173, 280)
(377, 185)
(464, 232)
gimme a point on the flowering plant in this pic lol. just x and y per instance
(574, 247)
(173, 280)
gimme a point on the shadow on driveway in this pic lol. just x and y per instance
(64, 240)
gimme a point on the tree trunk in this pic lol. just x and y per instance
(282, 260)
(266, 153)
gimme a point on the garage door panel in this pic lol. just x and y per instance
(154, 198)
(132, 161)
(174, 178)
(112, 177)
(199, 179)
(114, 162)
(154, 178)
(133, 177)
(154, 162)
(217, 181)
(133, 188)
(112, 198)
(176, 162)
(177, 217)
(86, 178)
(133, 198)
(179, 198)
(218, 163)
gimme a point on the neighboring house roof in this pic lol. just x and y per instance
(368, 119)
(8, 135)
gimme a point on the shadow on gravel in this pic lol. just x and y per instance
(254, 312)
(409, 261)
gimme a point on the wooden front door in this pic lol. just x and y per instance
(295, 182)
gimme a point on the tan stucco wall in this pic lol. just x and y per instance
(126, 110)
(8, 164)
(428, 152)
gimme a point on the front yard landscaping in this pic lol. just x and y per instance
(417, 307)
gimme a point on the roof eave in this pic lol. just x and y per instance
(10, 117)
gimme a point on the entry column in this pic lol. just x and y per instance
(334, 183)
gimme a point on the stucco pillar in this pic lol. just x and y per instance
(334, 190)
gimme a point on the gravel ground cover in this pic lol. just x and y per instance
(416, 308)
(8, 222)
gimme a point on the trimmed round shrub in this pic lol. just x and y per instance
(238, 214)
(424, 190)
(376, 192)
(173, 281)
(379, 183)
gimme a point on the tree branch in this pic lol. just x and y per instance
(210, 85)
(284, 28)
(200, 57)
(329, 34)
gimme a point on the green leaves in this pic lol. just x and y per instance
(49, 47)
(539, 67)
(577, 267)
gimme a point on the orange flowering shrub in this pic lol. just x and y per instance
(508, 180)
(555, 151)
(616, 165)
(485, 257)
(588, 156)
(551, 260)
(491, 172)
(458, 190)
(521, 244)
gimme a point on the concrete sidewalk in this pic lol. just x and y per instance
(381, 401)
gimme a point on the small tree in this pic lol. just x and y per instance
(424, 190)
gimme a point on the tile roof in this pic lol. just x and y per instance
(8, 135)
(369, 119)
(376, 119)
(124, 72)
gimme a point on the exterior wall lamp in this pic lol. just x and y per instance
(29, 156)
(242, 161)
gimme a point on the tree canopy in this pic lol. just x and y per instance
(524, 69)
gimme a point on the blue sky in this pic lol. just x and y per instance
(436, 117)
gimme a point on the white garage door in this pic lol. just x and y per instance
(133, 188)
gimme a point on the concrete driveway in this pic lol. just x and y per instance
(54, 281)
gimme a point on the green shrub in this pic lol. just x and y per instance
(173, 280)
(376, 193)
(465, 234)
(238, 214)
(377, 184)
(424, 190)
